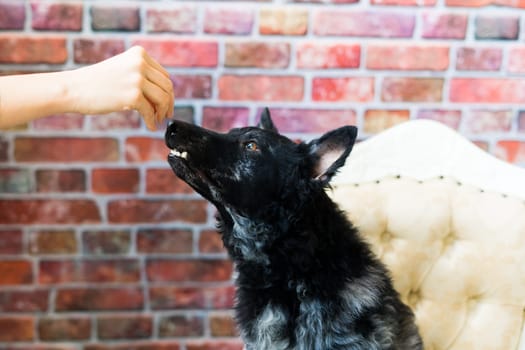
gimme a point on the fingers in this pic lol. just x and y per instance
(156, 65)
(147, 111)
(158, 98)
(158, 88)
(163, 88)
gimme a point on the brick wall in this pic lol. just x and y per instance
(101, 247)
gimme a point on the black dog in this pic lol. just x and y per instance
(306, 280)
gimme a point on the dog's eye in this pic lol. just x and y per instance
(251, 146)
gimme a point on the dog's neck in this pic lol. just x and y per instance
(256, 239)
(245, 238)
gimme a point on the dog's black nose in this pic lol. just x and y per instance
(171, 133)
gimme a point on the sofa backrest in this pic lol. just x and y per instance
(451, 228)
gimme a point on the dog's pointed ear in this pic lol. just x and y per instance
(329, 152)
(266, 122)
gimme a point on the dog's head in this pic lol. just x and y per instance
(251, 170)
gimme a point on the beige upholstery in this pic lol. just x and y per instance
(452, 236)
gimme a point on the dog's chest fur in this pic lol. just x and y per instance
(316, 325)
(312, 330)
(279, 306)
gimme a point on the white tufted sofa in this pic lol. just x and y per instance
(449, 221)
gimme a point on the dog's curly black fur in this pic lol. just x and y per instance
(306, 280)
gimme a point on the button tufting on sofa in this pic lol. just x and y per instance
(453, 238)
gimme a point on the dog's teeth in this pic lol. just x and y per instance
(176, 153)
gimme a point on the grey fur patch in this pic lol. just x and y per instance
(270, 330)
(249, 238)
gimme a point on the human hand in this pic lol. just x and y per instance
(130, 80)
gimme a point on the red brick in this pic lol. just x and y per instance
(164, 298)
(480, 3)
(210, 242)
(521, 122)
(15, 180)
(222, 325)
(468, 3)
(11, 242)
(485, 59)
(28, 346)
(12, 15)
(283, 21)
(486, 121)
(257, 55)
(497, 27)
(151, 345)
(64, 329)
(171, 19)
(487, 90)
(155, 211)
(17, 329)
(115, 17)
(355, 89)
(511, 151)
(24, 300)
(322, 56)
(48, 211)
(444, 25)
(185, 114)
(181, 53)
(53, 180)
(143, 149)
(99, 299)
(516, 60)
(163, 270)
(4, 150)
(115, 180)
(327, 1)
(162, 181)
(223, 119)
(93, 50)
(15, 272)
(106, 242)
(181, 326)
(52, 242)
(412, 90)
(405, 2)
(291, 120)
(364, 24)
(510, 3)
(125, 327)
(228, 20)
(56, 16)
(223, 298)
(90, 271)
(214, 345)
(261, 88)
(164, 241)
(169, 297)
(59, 122)
(451, 118)
(66, 149)
(402, 57)
(192, 86)
(32, 49)
(377, 120)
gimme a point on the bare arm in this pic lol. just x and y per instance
(130, 80)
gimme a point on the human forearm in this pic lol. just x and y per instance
(30, 96)
(130, 80)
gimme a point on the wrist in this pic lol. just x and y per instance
(69, 91)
